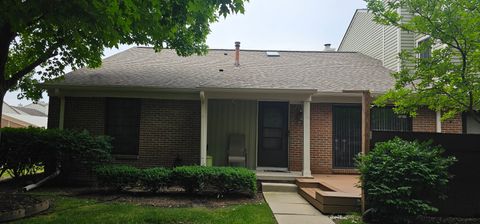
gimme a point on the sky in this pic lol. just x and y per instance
(272, 25)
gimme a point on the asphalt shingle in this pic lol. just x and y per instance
(324, 71)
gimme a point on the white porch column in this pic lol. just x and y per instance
(439, 121)
(306, 138)
(203, 128)
(61, 118)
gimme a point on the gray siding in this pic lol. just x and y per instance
(390, 48)
(226, 117)
(378, 41)
(364, 36)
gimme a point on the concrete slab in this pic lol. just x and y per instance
(297, 209)
(281, 197)
(303, 219)
(291, 208)
(279, 187)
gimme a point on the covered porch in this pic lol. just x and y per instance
(250, 128)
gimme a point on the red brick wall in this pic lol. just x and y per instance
(425, 121)
(453, 125)
(295, 148)
(167, 127)
(85, 113)
(321, 138)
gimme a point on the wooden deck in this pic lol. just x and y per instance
(332, 194)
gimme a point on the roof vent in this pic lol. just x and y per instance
(273, 54)
(328, 47)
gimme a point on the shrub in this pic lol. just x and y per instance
(193, 179)
(399, 177)
(155, 179)
(118, 176)
(223, 180)
(24, 150)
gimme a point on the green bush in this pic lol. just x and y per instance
(118, 176)
(155, 179)
(400, 177)
(24, 150)
(193, 179)
(223, 180)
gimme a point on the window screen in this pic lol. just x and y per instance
(123, 123)
(384, 119)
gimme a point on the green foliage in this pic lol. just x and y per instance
(223, 179)
(58, 34)
(194, 179)
(118, 176)
(449, 80)
(400, 177)
(24, 150)
(155, 179)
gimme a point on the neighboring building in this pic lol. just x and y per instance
(378, 41)
(295, 109)
(35, 115)
(385, 43)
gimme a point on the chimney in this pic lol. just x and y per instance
(328, 47)
(237, 53)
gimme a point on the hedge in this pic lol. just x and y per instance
(23, 150)
(193, 179)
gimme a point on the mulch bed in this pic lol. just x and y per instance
(10, 202)
(449, 220)
(170, 199)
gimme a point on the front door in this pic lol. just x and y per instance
(347, 135)
(273, 134)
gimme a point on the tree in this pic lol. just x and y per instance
(448, 80)
(54, 34)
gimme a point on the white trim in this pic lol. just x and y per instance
(438, 119)
(421, 39)
(203, 128)
(306, 138)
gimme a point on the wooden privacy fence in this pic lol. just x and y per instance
(464, 189)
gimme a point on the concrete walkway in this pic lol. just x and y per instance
(291, 208)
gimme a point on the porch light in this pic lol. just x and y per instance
(300, 114)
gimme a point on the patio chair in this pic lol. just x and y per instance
(236, 150)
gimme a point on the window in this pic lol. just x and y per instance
(428, 51)
(384, 119)
(123, 124)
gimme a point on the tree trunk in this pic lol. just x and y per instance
(2, 95)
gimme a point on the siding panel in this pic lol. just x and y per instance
(363, 35)
(226, 117)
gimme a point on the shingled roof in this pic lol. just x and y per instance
(323, 71)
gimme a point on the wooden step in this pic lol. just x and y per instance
(326, 199)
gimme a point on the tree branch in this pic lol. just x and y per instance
(6, 39)
(50, 52)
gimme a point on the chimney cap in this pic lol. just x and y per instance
(327, 45)
(237, 43)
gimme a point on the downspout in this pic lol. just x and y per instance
(39, 183)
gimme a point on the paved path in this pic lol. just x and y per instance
(291, 208)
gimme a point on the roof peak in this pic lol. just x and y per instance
(261, 50)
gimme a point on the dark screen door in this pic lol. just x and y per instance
(347, 135)
(273, 134)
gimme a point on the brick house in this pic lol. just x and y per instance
(298, 111)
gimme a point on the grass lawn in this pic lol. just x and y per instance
(76, 210)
